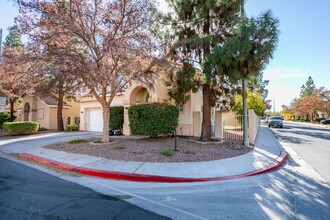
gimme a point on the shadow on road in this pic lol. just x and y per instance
(303, 131)
(296, 195)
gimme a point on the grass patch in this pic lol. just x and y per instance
(77, 141)
(118, 148)
(167, 152)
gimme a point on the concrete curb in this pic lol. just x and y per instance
(150, 178)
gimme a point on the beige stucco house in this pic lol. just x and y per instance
(190, 118)
(43, 109)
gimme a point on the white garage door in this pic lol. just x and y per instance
(95, 120)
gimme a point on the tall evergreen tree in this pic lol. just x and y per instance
(247, 52)
(307, 88)
(196, 27)
(13, 39)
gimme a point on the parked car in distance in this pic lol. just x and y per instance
(275, 121)
(325, 122)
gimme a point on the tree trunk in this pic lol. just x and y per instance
(206, 123)
(245, 114)
(12, 111)
(106, 116)
(60, 126)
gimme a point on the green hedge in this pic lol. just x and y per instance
(72, 127)
(318, 119)
(116, 120)
(21, 127)
(153, 119)
(4, 117)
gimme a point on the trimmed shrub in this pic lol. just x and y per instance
(317, 120)
(72, 127)
(116, 120)
(21, 127)
(153, 119)
(4, 117)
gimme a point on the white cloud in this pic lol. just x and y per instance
(285, 84)
(285, 73)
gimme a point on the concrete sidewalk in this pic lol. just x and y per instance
(267, 155)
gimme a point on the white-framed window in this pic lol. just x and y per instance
(40, 113)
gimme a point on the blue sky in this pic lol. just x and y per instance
(303, 49)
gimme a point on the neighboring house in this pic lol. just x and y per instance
(43, 109)
(4, 108)
(190, 119)
(323, 115)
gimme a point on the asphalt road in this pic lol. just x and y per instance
(311, 142)
(294, 191)
(289, 193)
(26, 193)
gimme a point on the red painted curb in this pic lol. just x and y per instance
(149, 178)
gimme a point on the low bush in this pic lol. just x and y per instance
(167, 152)
(153, 119)
(77, 141)
(317, 120)
(4, 117)
(21, 127)
(72, 127)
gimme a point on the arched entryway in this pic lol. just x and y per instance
(139, 95)
(26, 111)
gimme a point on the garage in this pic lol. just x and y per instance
(95, 122)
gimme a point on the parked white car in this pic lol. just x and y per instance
(275, 121)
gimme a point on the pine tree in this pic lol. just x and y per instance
(246, 53)
(308, 88)
(196, 27)
(14, 38)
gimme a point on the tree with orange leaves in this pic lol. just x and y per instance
(14, 80)
(110, 44)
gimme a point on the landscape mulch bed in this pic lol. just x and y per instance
(149, 149)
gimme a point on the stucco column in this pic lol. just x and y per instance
(126, 128)
(83, 119)
(253, 126)
(218, 125)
